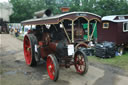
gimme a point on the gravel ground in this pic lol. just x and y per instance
(14, 71)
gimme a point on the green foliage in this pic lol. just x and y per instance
(24, 9)
(111, 7)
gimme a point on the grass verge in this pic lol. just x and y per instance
(119, 61)
(20, 38)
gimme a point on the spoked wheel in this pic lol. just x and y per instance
(81, 62)
(29, 52)
(52, 67)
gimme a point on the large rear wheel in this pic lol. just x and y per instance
(81, 61)
(52, 67)
(29, 50)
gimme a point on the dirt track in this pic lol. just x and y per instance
(14, 71)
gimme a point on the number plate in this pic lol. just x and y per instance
(70, 50)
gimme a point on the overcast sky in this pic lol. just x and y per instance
(3, 0)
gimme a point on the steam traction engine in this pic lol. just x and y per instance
(56, 52)
(56, 40)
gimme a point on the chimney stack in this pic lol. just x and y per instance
(43, 13)
(64, 9)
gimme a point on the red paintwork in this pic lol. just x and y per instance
(50, 68)
(27, 51)
(52, 46)
(40, 43)
(46, 50)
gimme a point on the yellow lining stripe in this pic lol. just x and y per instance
(67, 19)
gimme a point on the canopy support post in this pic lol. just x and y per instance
(72, 31)
(31, 27)
(93, 30)
(88, 30)
(66, 33)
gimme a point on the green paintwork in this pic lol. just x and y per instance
(85, 27)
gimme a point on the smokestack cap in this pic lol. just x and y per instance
(64, 9)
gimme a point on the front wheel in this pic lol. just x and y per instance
(52, 67)
(81, 61)
(29, 50)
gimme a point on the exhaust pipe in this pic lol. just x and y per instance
(43, 13)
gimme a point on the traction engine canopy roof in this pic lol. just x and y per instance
(58, 18)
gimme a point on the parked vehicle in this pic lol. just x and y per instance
(60, 40)
(3, 26)
(114, 29)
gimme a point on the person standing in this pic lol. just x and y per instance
(16, 32)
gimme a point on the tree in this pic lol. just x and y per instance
(111, 7)
(89, 6)
(24, 9)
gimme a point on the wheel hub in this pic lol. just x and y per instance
(28, 49)
(49, 67)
